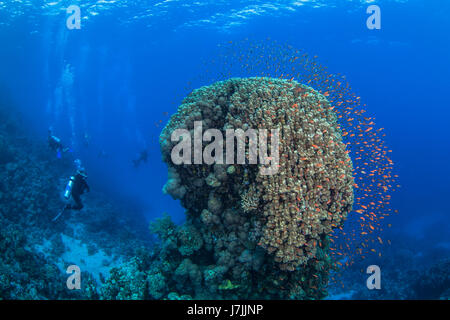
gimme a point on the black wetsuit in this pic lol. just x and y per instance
(79, 187)
(55, 144)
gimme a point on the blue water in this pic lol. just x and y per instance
(128, 65)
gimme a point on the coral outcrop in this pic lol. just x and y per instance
(252, 223)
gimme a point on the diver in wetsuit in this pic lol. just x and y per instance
(76, 186)
(55, 143)
(79, 187)
(143, 157)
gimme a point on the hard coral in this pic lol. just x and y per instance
(311, 193)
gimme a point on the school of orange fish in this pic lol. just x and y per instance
(373, 168)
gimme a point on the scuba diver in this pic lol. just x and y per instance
(76, 186)
(55, 143)
(143, 157)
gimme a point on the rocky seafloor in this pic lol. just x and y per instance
(34, 250)
(412, 268)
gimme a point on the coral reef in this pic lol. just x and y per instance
(253, 224)
(411, 268)
(25, 274)
(246, 236)
(34, 251)
(126, 283)
(433, 283)
(402, 281)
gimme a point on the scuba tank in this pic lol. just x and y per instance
(56, 139)
(67, 194)
(69, 186)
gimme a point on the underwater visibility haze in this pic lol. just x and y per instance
(290, 149)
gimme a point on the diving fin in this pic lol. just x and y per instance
(60, 213)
